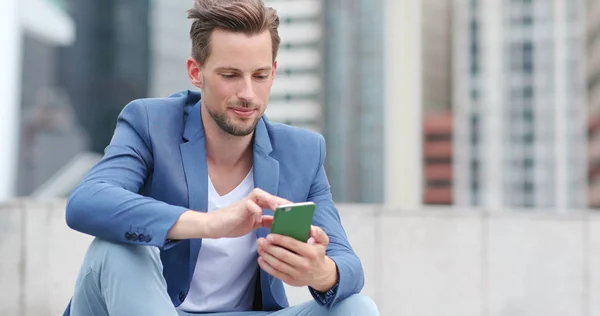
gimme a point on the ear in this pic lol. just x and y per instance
(274, 69)
(194, 71)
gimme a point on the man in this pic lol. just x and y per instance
(182, 201)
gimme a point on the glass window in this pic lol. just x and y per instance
(528, 57)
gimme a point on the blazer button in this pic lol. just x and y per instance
(128, 236)
(181, 296)
(134, 236)
(141, 237)
(148, 238)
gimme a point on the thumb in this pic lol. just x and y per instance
(318, 235)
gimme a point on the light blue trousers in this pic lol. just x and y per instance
(126, 280)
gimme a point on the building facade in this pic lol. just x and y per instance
(436, 30)
(354, 99)
(520, 104)
(437, 158)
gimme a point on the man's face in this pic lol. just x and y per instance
(236, 80)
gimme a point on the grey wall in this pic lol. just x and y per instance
(431, 262)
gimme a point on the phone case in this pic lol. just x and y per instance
(294, 220)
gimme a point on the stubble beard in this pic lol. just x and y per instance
(230, 127)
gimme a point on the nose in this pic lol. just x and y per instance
(246, 91)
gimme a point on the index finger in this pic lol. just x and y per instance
(267, 200)
(289, 243)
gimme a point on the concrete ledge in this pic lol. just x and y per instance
(40, 257)
(436, 261)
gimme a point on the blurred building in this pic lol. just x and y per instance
(31, 32)
(297, 94)
(519, 104)
(72, 95)
(593, 94)
(108, 65)
(375, 97)
(354, 99)
(436, 22)
(437, 158)
(170, 47)
(436, 30)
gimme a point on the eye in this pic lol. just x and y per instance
(261, 77)
(228, 76)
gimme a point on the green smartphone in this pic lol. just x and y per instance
(294, 220)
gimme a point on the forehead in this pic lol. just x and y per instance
(239, 50)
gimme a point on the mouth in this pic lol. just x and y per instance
(243, 112)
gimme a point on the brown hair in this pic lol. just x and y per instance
(244, 16)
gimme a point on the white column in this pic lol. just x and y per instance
(492, 78)
(560, 106)
(10, 82)
(403, 117)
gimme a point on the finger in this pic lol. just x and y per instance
(290, 243)
(270, 270)
(267, 200)
(267, 221)
(319, 235)
(281, 201)
(276, 263)
(263, 199)
(255, 212)
(295, 262)
(270, 198)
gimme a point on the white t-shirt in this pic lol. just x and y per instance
(225, 274)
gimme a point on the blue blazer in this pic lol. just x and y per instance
(154, 169)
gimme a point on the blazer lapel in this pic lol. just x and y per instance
(193, 153)
(266, 177)
(266, 168)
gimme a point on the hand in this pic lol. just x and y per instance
(297, 263)
(244, 216)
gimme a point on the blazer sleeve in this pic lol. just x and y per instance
(107, 203)
(349, 267)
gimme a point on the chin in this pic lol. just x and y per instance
(238, 128)
(249, 128)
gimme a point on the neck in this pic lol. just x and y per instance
(223, 149)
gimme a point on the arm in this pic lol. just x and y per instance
(349, 268)
(107, 203)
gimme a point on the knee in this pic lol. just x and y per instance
(357, 304)
(120, 254)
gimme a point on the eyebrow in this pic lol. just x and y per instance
(269, 68)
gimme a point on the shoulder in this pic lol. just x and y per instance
(156, 113)
(178, 103)
(296, 143)
(283, 133)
